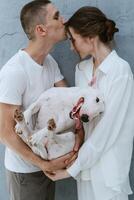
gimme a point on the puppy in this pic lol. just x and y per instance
(57, 110)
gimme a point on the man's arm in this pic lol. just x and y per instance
(61, 83)
(14, 142)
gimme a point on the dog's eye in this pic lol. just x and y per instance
(97, 99)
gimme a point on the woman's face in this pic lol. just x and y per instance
(83, 46)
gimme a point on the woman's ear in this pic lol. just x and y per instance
(89, 40)
(41, 30)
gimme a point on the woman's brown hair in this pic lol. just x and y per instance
(90, 21)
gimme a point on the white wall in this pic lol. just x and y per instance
(12, 38)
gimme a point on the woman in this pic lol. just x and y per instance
(103, 162)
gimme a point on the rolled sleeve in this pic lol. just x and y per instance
(74, 170)
(12, 86)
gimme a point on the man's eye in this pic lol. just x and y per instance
(57, 15)
(71, 39)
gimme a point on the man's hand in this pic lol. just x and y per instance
(58, 175)
(79, 139)
(56, 164)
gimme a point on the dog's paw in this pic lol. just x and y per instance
(37, 138)
(18, 115)
(18, 129)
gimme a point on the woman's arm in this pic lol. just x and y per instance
(119, 103)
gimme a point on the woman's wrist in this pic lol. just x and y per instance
(74, 169)
(67, 175)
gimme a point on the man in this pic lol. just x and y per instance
(24, 77)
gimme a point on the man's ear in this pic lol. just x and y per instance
(41, 30)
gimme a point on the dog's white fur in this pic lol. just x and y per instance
(47, 137)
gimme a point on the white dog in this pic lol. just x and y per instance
(57, 109)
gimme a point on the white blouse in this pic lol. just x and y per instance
(109, 146)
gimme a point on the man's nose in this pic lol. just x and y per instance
(62, 19)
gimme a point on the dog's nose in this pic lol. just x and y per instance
(84, 118)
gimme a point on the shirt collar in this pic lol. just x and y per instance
(103, 67)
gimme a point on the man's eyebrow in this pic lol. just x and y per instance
(56, 13)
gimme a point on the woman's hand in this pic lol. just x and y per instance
(58, 175)
(79, 138)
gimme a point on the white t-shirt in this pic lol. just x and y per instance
(22, 81)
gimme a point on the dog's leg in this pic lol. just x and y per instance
(23, 131)
(38, 137)
(41, 135)
(34, 108)
(64, 122)
(21, 127)
(59, 144)
(40, 150)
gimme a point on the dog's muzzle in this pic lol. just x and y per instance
(84, 118)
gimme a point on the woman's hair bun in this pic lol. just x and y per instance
(110, 29)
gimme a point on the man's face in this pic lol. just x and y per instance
(55, 24)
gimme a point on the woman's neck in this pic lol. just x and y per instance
(101, 51)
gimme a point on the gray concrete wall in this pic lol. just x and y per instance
(12, 39)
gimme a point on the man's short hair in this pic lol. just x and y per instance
(32, 14)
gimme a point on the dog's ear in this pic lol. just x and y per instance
(73, 113)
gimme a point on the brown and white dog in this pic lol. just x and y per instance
(57, 110)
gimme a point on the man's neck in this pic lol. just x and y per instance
(38, 51)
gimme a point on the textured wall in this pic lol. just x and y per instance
(12, 39)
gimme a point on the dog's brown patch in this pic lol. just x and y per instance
(51, 124)
(30, 143)
(18, 115)
(20, 133)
